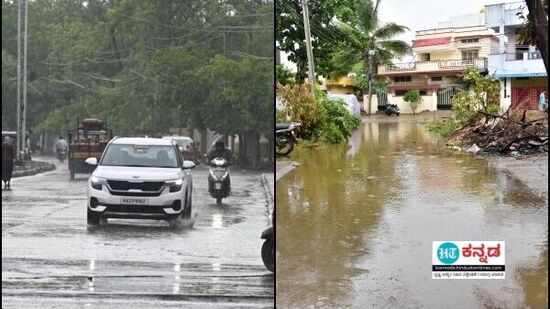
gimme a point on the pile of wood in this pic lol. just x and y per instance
(514, 132)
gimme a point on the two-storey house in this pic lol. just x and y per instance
(441, 57)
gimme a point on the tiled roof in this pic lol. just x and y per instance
(430, 42)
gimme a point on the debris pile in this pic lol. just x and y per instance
(514, 132)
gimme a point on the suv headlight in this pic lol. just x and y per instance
(175, 185)
(97, 182)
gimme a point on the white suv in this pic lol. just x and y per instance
(144, 178)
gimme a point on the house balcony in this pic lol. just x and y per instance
(527, 64)
(523, 51)
(436, 66)
(414, 85)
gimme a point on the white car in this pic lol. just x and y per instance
(350, 100)
(144, 178)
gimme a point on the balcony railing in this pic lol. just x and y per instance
(518, 55)
(434, 66)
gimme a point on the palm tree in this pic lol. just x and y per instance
(366, 40)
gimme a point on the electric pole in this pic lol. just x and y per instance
(18, 138)
(24, 111)
(309, 50)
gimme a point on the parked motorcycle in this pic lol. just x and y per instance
(61, 154)
(219, 184)
(268, 248)
(392, 109)
(285, 137)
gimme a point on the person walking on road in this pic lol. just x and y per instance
(8, 155)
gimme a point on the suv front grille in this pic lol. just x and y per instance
(144, 186)
(135, 193)
(135, 209)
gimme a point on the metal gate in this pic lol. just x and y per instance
(444, 97)
(382, 100)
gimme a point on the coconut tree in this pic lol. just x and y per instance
(367, 40)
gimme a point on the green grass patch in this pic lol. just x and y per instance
(442, 128)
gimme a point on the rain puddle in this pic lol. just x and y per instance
(355, 225)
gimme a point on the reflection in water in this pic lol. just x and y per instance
(91, 267)
(355, 223)
(535, 281)
(216, 266)
(217, 221)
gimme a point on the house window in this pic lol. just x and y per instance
(469, 40)
(520, 50)
(402, 79)
(437, 78)
(425, 57)
(469, 54)
(423, 92)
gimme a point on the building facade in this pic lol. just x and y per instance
(441, 57)
(519, 68)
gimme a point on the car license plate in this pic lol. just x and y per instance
(218, 186)
(133, 201)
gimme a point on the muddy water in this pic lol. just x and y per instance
(355, 225)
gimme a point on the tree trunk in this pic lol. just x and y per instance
(204, 133)
(540, 20)
(253, 149)
(270, 150)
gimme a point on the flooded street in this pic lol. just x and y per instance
(355, 224)
(50, 258)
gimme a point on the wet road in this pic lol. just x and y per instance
(355, 225)
(51, 259)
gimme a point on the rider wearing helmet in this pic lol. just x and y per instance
(219, 151)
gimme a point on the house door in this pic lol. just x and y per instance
(525, 98)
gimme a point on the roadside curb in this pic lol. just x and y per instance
(41, 167)
(268, 194)
(284, 167)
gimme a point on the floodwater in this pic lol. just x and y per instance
(355, 225)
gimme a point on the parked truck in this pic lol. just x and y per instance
(87, 140)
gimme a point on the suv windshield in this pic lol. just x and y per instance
(140, 155)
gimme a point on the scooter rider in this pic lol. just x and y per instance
(61, 144)
(219, 151)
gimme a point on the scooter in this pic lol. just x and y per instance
(392, 109)
(268, 248)
(61, 154)
(285, 137)
(219, 183)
